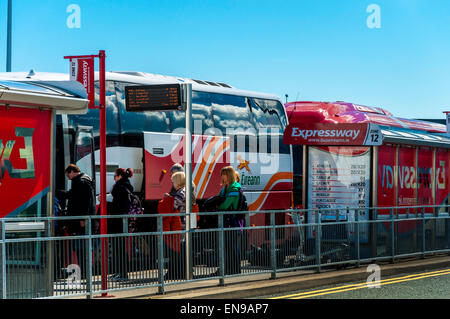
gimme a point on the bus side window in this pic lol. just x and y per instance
(92, 119)
(268, 114)
(270, 120)
(177, 120)
(231, 114)
(112, 115)
(202, 114)
(202, 119)
(84, 148)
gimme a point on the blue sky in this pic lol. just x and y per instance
(309, 49)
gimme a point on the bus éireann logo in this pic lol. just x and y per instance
(247, 180)
(243, 164)
(6, 148)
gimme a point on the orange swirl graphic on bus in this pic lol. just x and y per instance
(218, 152)
(209, 148)
(273, 180)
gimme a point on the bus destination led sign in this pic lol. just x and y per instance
(165, 97)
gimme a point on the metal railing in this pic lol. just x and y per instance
(36, 264)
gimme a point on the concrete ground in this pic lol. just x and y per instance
(262, 284)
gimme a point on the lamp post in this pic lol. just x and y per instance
(8, 38)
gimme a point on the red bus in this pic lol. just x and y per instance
(409, 166)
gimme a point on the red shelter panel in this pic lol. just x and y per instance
(25, 158)
(425, 183)
(407, 178)
(442, 176)
(386, 178)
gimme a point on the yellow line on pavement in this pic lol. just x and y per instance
(363, 285)
(372, 285)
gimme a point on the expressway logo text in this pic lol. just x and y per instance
(353, 134)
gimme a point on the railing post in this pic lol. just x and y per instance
(123, 242)
(273, 253)
(374, 233)
(447, 227)
(221, 250)
(423, 233)
(49, 228)
(125, 225)
(3, 230)
(436, 216)
(89, 259)
(318, 235)
(358, 251)
(160, 256)
(189, 247)
(392, 236)
(416, 230)
(50, 246)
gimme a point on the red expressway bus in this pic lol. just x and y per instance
(407, 163)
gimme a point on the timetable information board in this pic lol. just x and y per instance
(166, 97)
(339, 178)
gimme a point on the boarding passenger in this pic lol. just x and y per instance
(121, 205)
(177, 267)
(230, 194)
(177, 167)
(174, 243)
(240, 218)
(81, 202)
(81, 198)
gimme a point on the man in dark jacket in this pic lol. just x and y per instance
(81, 202)
(81, 198)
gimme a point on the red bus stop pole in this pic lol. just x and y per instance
(102, 111)
(103, 210)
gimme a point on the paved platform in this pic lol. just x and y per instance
(262, 284)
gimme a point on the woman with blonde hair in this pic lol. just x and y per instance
(176, 245)
(231, 189)
(230, 192)
(179, 185)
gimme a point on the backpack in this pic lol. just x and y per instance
(90, 182)
(135, 209)
(242, 206)
(58, 212)
(242, 203)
